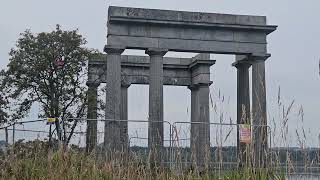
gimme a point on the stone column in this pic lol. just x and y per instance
(243, 107)
(155, 131)
(91, 136)
(113, 100)
(259, 114)
(124, 116)
(200, 127)
(200, 116)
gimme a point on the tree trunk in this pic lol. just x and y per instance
(6, 133)
(13, 133)
(72, 131)
(50, 135)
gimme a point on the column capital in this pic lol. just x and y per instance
(254, 58)
(92, 84)
(113, 49)
(192, 87)
(197, 63)
(125, 84)
(259, 57)
(196, 86)
(156, 51)
(242, 63)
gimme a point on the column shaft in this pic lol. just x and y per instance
(113, 100)
(200, 127)
(91, 136)
(124, 116)
(155, 133)
(243, 107)
(259, 110)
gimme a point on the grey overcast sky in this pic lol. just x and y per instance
(294, 48)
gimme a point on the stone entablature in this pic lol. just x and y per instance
(136, 28)
(176, 71)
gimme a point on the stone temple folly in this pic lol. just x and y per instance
(160, 31)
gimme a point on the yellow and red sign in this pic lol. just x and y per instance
(51, 121)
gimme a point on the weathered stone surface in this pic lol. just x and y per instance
(113, 101)
(200, 71)
(172, 32)
(155, 130)
(159, 31)
(137, 28)
(186, 45)
(259, 114)
(200, 117)
(183, 16)
(243, 106)
(135, 69)
(124, 139)
(91, 136)
(200, 127)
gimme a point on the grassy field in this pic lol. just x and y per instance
(34, 160)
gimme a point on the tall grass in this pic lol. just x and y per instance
(35, 160)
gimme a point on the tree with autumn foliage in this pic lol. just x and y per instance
(48, 68)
